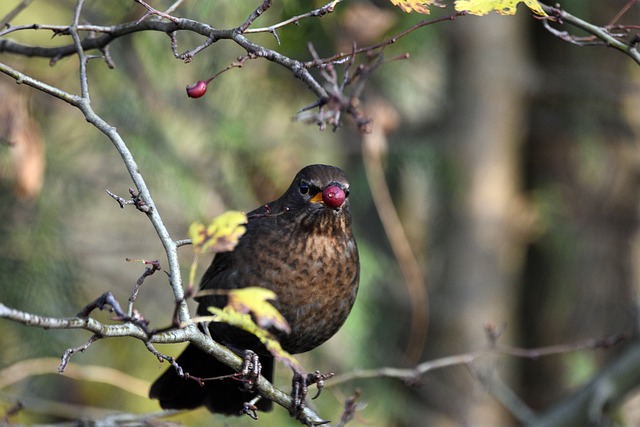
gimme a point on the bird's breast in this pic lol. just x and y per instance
(316, 285)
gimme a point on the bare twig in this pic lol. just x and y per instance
(73, 30)
(321, 11)
(152, 11)
(121, 201)
(238, 63)
(14, 12)
(66, 357)
(189, 55)
(373, 150)
(350, 408)
(183, 242)
(413, 375)
(189, 332)
(588, 406)
(603, 36)
(10, 412)
(108, 299)
(155, 266)
(174, 6)
(99, 303)
(266, 4)
(172, 360)
(624, 9)
(332, 59)
(493, 384)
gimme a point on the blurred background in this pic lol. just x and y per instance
(499, 186)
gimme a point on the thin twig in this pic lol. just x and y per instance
(155, 266)
(350, 408)
(266, 4)
(173, 7)
(624, 9)
(373, 148)
(387, 42)
(14, 12)
(152, 11)
(321, 11)
(602, 34)
(66, 357)
(73, 30)
(413, 375)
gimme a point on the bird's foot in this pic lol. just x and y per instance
(300, 387)
(250, 409)
(250, 372)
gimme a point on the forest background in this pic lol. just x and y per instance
(511, 158)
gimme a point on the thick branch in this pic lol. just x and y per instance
(117, 31)
(297, 68)
(110, 34)
(88, 324)
(189, 333)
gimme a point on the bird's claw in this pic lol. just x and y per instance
(300, 387)
(250, 372)
(250, 409)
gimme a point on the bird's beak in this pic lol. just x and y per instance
(317, 198)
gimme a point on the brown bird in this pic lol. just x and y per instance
(300, 246)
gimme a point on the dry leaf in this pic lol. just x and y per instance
(416, 5)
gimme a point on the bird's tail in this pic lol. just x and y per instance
(224, 396)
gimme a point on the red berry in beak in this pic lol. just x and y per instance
(333, 196)
(197, 89)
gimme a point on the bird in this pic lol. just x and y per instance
(301, 246)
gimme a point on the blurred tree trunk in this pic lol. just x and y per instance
(582, 167)
(484, 252)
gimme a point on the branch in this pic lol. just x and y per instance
(588, 406)
(341, 56)
(189, 333)
(15, 12)
(89, 324)
(131, 327)
(414, 375)
(266, 4)
(605, 37)
(373, 150)
(321, 11)
(212, 34)
(21, 78)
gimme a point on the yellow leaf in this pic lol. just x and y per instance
(245, 322)
(420, 6)
(256, 300)
(221, 235)
(503, 7)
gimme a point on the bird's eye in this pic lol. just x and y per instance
(346, 192)
(304, 188)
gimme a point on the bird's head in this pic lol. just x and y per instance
(319, 187)
(319, 194)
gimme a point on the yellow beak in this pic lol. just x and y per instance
(317, 198)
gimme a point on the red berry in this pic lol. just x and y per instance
(333, 196)
(197, 89)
